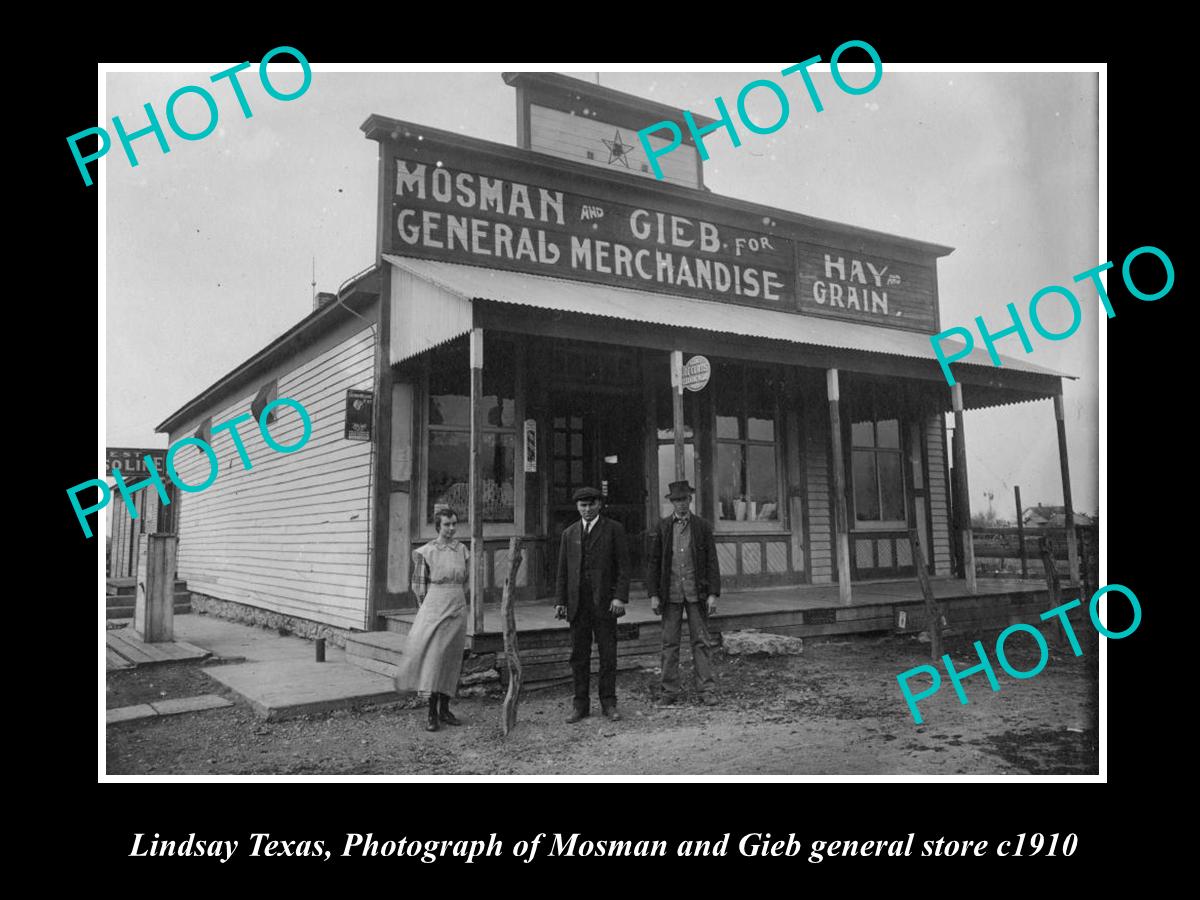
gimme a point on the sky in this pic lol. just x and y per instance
(209, 249)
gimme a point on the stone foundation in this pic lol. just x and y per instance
(265, 618)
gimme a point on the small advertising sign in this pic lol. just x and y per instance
(696, 372)
(359, 409)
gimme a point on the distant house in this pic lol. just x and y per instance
(1052, 517)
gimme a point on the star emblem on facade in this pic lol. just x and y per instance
(617, 149)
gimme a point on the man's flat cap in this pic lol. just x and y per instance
(586, 493)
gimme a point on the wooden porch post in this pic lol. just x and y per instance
(478, 556)
(964, 493)
(839, 487)
(677, 412)
(1072, 545)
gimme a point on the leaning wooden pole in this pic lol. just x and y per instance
(512, 657)
(933, 612)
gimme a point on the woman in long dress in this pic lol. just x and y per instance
(433, 653)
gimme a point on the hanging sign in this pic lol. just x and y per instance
(359, 409)
(530, 445)
(696, 372)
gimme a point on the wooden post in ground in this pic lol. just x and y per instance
(964, 492)
(1046, 551)
(838, 465)
(933, 612)
(1021, 530)
(154, 604)
(1072, 549)
(478, 556)
(512, 658)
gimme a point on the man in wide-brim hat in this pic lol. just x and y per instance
(683, 569)
(592, 590)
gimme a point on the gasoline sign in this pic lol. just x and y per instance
(696, 372)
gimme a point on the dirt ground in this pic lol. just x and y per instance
(835, 710)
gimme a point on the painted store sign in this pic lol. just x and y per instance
(460, 215)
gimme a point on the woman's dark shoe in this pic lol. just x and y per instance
(444, 714)
(432, 724)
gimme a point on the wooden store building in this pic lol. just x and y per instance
(518, 336)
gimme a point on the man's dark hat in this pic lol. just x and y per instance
(680, 490)
(586, 493)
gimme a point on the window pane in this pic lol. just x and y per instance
(862, 434)
(758, 399)
(889, 433)
(866, 488)
(892, 484)
(914, 449)
(666, 472)
(450, 386)
(498, 383)
(728, 427)
(731, 498)
(577, 444)
(560, 443)
(449, 466)
(665, 416)
(498, 452)
(761, 428)
(762, 488)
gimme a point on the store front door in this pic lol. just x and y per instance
(598, 441)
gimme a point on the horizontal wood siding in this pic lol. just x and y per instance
(820, 494)
(291, 534)
(562, 134)
(935, 435)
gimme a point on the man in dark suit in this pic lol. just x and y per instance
(683, 568)
(592, 590)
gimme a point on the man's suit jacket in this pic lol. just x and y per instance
(607, 566)
(704, 559)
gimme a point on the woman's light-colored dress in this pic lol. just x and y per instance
(433, 653)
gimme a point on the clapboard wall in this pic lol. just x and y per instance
(935, 437)
(820, 493)
(292, 534)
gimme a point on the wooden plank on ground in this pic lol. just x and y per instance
(134, 652)
(114, 660)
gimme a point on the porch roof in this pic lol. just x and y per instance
(442, 312)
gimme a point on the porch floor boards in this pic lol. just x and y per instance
(872, 602)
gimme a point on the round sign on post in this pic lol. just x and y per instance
(696, 372)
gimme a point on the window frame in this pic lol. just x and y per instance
(899, 452)
(424, 526)
(759, 526)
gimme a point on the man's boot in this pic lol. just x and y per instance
(444, 714)
(432, 725)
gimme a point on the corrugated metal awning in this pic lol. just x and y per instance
(457, 285)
